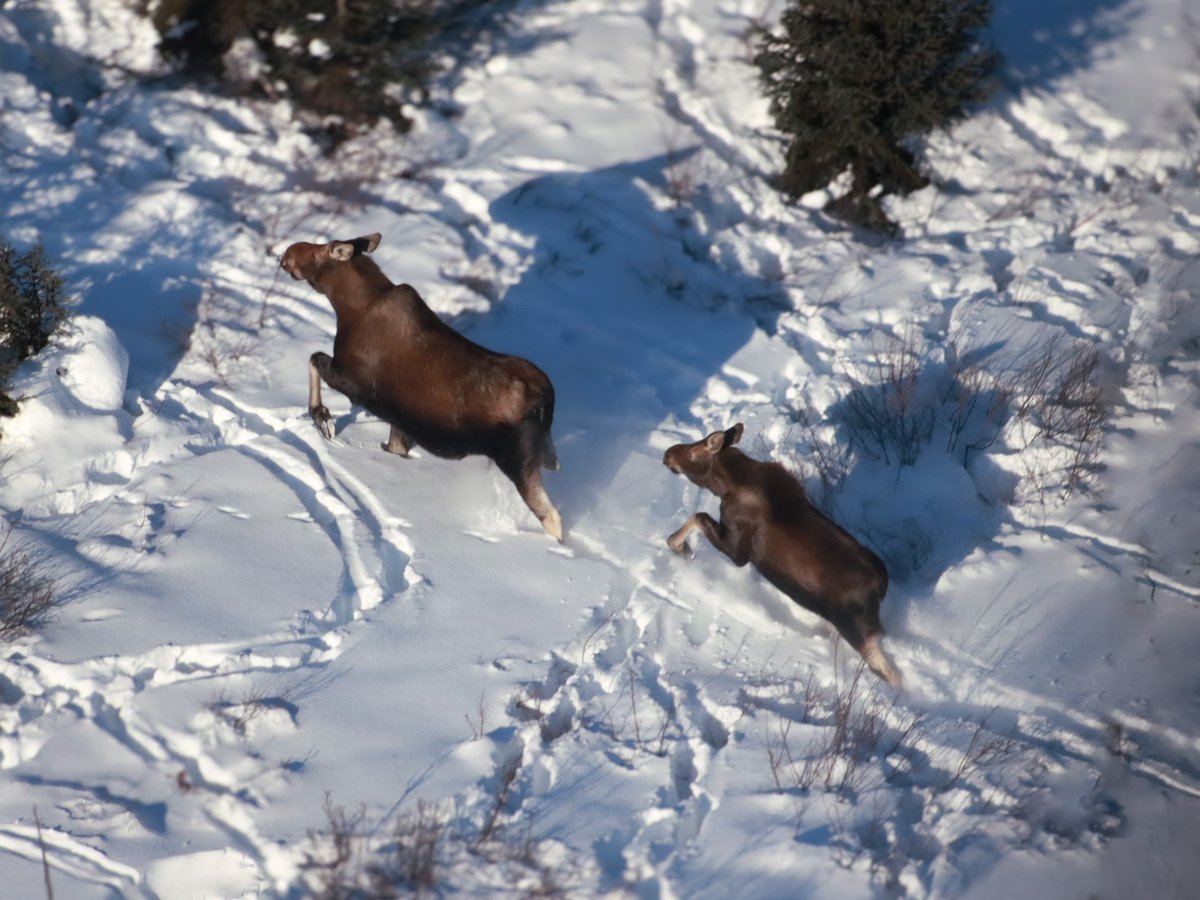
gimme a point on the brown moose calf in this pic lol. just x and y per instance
(438, 390)
(767, 519)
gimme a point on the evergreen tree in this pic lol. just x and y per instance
(853, 82)
(350, 62)
(32, 310)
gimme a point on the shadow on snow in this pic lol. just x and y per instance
(625, 309)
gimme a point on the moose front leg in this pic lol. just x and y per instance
(322, 367)
(701, 522)
(728, 536)
(320, 414)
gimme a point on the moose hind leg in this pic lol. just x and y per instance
(524, 471)
(878, 662)
(533, 492)
(863, 634)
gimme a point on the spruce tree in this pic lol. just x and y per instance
(350, 62)
(32, 311)
(854, 82)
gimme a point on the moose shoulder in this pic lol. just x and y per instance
(437, 389)
(767, 520)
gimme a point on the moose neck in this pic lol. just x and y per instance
(350, 286)
(718, 478)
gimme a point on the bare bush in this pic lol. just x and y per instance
(860, 727)
(423, 854)
(418, 836)
(223, 337)
(413, 863)
(851, 758)
(975, 404)
(986, 749)
(895, 414)
(28, 593)
(1051, 396)
(827, 458)
(649, 736)
(507, 777)
(1073, 413)
(1059, 403)
(342, 864)
(334, 863)
(478, 725)
(256, 703)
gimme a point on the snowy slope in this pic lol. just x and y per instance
(267, 637)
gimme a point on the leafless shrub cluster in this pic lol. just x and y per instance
(895, 414)
(28, 593)
(222, 338)
(1050, 399)
(827, 458)
(334, 864)
(986, 749)
(507, 777)
(424, 855)
(414, 860)
(684, 175)
(648, 728)
(240, 714)
(341, 864)
(859, 727)
(478, 725)
(1062, 405)
(974, 405)
(851, 757)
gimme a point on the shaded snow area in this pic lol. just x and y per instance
(285, 666)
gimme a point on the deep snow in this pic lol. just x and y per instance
(258, 624)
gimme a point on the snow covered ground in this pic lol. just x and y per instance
(267, 638)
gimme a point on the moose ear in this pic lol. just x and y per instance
(341, 250)
(734, 434)
(714, 442)
(368, 242)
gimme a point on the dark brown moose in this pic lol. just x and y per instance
(767, 519)
(438, 390)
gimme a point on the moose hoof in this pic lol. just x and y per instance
(398, 443)
(396, 450)
(680, 547)
(323, 420)
(554, 526)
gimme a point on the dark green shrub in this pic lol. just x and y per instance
(32, 311)
(349, 62)
(853, 82)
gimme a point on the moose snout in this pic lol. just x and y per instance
(670, 460)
